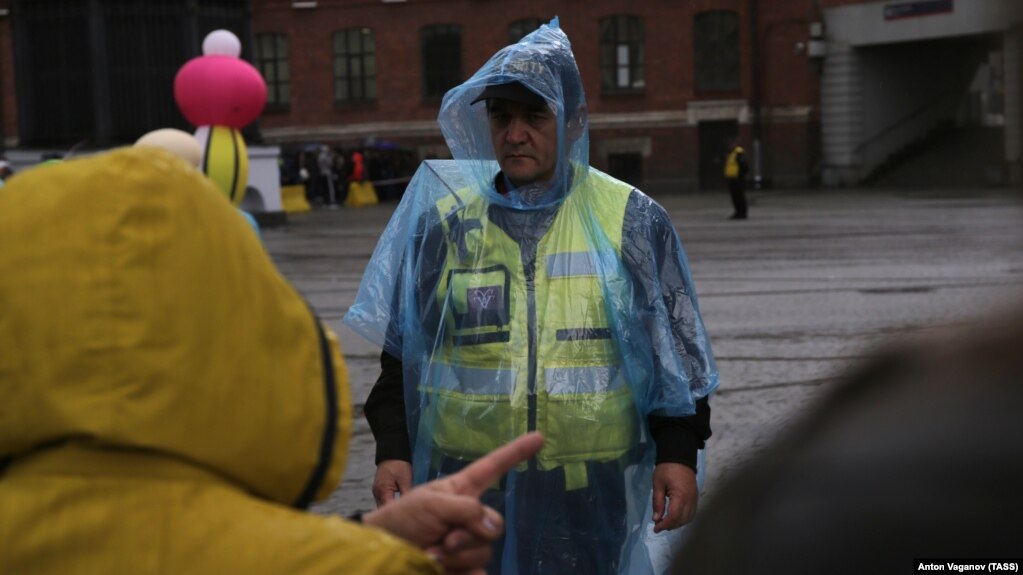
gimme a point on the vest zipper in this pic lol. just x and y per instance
(529, 271)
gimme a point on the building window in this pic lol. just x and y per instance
(441, 47)
(272, 63)
(716, 45)
(627, 167)
(519, 28)
(355, 65)
(621, 54)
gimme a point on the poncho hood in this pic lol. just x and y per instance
(543, 62)
(139, 311)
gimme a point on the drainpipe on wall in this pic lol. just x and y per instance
(102, 115)
(3, 132)
(5, 14)
(755, 104)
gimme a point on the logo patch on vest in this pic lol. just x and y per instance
(484, 299)
(479, 298)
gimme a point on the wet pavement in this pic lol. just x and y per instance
(813, 283)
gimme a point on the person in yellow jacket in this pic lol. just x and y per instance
(170, 402)
(736, 168)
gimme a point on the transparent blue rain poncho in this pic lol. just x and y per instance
(538, 309)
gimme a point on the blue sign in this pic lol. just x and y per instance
(912, 9)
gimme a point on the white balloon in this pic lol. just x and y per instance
(177, 142)
(222, 43)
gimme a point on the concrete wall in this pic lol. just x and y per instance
(887, 83)
(264, 195)
(864, 24)
(841, 115)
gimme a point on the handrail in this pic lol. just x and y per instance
(904, 120)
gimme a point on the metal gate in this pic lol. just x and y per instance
(98, 73)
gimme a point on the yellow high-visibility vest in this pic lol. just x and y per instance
(519, 357)
(732, 163)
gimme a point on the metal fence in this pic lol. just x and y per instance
(97, 73)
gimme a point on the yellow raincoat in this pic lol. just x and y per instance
(167, 399)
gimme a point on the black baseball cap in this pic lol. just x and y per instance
(514, 91)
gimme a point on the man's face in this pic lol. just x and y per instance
(525, 140)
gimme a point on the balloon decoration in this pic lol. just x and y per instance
(220, 94)
(181, 144)
(185, 146)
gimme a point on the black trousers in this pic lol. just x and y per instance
(556, 532)
(737, 188)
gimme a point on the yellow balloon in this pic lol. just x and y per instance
(225, 160)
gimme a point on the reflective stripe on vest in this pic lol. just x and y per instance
(566, 380)
(570, 264)
(479, 383)
(472, 380)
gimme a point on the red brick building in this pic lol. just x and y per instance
(667, 82)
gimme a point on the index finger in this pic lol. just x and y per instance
(487, 470)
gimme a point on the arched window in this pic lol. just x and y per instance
(272, 62)
(355, 66)
(622, 57)
(519, 28)
(716, 47)
(441, 49)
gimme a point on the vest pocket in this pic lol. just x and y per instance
(589, 427)
(472, 408)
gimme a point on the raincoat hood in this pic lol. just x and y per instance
(543, 62)
(140, 312)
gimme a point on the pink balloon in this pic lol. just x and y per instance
(218, 90)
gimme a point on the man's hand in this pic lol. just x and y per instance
(393, 476)
(446, 518)
(678, 483)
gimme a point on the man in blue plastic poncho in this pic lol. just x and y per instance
(517, 289)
